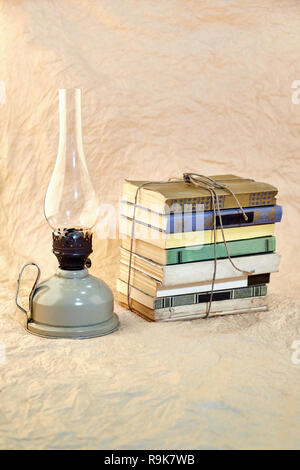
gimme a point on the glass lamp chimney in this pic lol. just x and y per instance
(70, 202)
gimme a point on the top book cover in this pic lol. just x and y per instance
(185, 197)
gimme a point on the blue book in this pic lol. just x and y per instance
(194, 221)
(203, 220)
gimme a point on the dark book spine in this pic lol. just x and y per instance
(226, 294)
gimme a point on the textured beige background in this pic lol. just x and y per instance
(167, 87)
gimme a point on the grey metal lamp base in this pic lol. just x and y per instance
(80, 332)
(72, 304)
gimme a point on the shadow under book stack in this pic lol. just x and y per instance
(172, 261)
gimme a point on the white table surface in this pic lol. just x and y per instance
(220, 383)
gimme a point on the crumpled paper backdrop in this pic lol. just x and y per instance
(168, 87)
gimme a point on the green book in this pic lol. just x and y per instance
(249, 246)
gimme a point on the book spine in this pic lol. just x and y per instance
(203, 270)
(191, 299)
(186, 312)
(204, 220)
(194, 316)
(217, 308)
(206, 252)
(264, 198)
(181, 240)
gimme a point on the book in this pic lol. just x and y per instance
(178, 240)
(173, 299)
(194, 311)
(192, 273)
(182, 196)
(156, 270)
(220, 284)
(201, 220)
(249, 246)
(153, 287)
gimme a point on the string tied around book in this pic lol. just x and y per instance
(210, 185)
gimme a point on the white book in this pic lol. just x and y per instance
(190, 289)
(202, 271)
(220, 307)
(194, 316)
(193, 288)
(149, 300)
(145, 304)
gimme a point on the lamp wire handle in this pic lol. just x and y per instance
(30, 263)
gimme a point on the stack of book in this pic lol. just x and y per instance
(172, 253)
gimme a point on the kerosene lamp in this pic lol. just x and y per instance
(72, 303)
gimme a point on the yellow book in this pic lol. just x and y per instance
(185, 196)
(203, 237)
